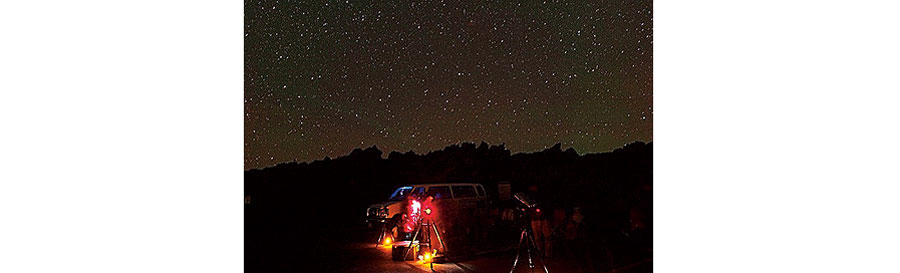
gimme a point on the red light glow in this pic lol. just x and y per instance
(414, 210)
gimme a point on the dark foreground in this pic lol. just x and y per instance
(355, 252)
(308, 217)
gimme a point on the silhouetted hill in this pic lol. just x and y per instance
(364, 177)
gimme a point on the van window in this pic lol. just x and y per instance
(463, 192)
(480, 191)
(440, 192)
(419, 191)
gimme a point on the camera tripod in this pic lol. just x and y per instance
(528, 239)
(385, 229)
(425, 227)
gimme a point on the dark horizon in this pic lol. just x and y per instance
(386, 154)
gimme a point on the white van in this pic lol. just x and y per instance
(452, 199)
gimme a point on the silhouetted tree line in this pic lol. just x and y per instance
(325, 196)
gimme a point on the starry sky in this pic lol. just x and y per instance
(324, 77)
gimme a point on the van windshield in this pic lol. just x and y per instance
(441, 192)
(400, 193)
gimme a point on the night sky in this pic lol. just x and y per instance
(323, 78)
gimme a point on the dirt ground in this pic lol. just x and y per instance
(357, 252)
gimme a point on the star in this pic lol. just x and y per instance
(324, 79)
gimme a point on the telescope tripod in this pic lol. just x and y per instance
(528, 239)
(424, 228)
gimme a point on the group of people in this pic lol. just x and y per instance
(556, 226)
(564, 231)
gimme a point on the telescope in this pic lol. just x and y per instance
(525, 200)
(526, 239)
